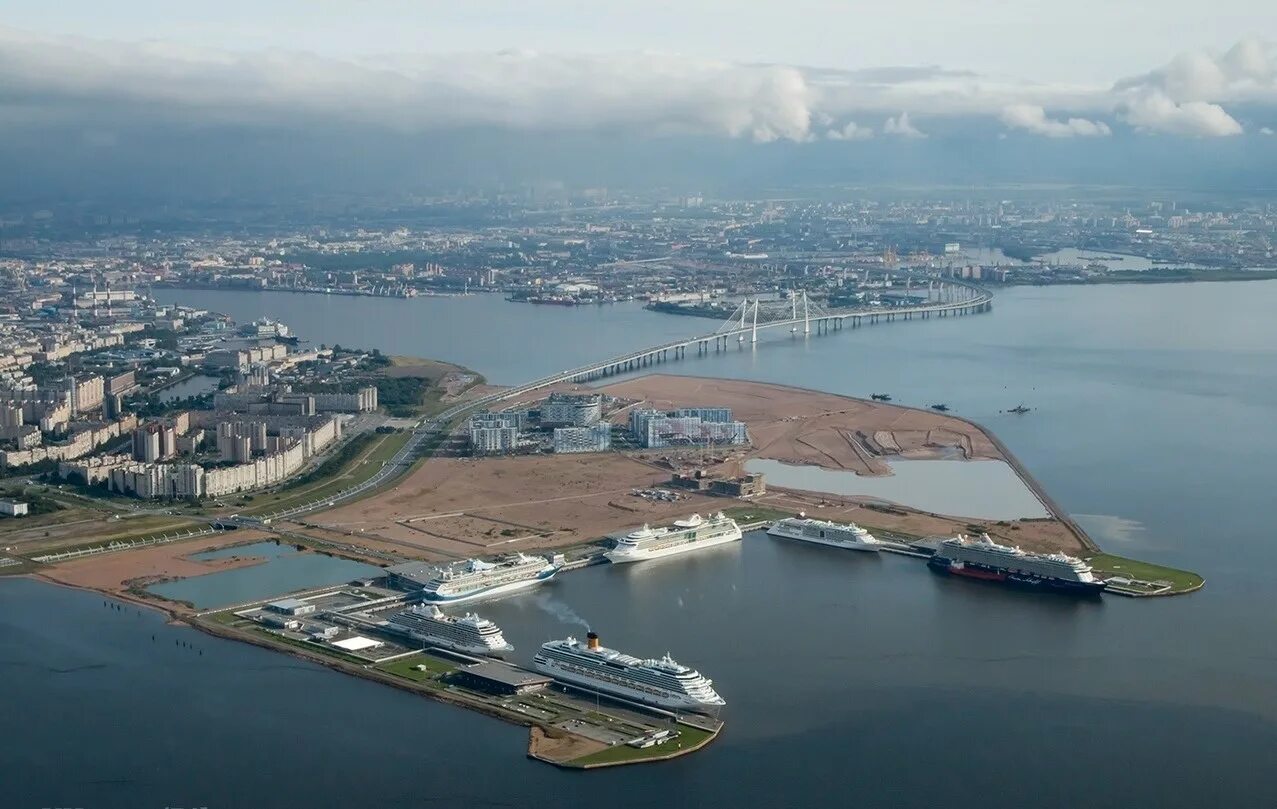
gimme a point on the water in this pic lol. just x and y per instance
(503, 340)
(285, 570)
(196, 385)
(987, 489)
(850, 678)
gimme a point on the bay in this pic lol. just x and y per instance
(849, 678)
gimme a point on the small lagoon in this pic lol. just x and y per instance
(989, 490)
(285, 570)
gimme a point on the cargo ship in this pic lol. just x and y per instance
(821, 532)
(985, 559)
(427, 624)
(476, 579)
(664, 683)
(684, 535)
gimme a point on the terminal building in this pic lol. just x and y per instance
(498, 678)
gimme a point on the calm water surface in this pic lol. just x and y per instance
(196, 385)
(850, 678)
(284, 570)
(988, 489)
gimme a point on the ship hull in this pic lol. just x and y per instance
(490, 592)
(456, 646)
(1013, 579)
(672, 702)
(851, 545)
(620, 557)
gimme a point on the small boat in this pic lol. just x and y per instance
(1020, 409)
(943, 408)
(881, 397)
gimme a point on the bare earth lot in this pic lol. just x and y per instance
(116, 572)
(453, 508)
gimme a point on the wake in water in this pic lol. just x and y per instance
(565, 614)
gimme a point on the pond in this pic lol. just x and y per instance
(285, 570)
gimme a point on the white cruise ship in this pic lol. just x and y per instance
(987, 560)
(663, 683)
(821, 532)
(476, 579)
(684, 535)
(426, 624)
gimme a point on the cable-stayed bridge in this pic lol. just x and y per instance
(945, 298)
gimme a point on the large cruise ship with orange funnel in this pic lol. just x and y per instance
(664, 683)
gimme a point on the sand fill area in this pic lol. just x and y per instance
(454, 508)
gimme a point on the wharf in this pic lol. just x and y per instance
(569, 728)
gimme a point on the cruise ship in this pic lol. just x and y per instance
(663, 683)
(985, 559)
(822, 532)
(426, 624)
(476, 579)
(684, 535)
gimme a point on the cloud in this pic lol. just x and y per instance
(651, 92)
(1157, 112)
(852, 131)
(1185, 96)
(1246, 71)
(108, 86)
(1033, 119)
(1266, 130)
(900, 127)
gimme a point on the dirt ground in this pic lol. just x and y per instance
(562, 746)
(116, 572)
(820, 429)
(461, 507)
(453, 508)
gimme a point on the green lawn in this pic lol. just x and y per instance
(406, 667)
(688, 737)
(124, 531)
(756, 512)
(358, 469)
(1106, 565)
(227, 618)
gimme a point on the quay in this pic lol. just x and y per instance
(569, 726)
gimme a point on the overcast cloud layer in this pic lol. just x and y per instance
(103, 84)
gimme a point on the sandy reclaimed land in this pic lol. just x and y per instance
(821, 429)
(462, 507)
(116, 572)
(454, 508)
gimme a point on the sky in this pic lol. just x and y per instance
(110, 83)
(1032, 38)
